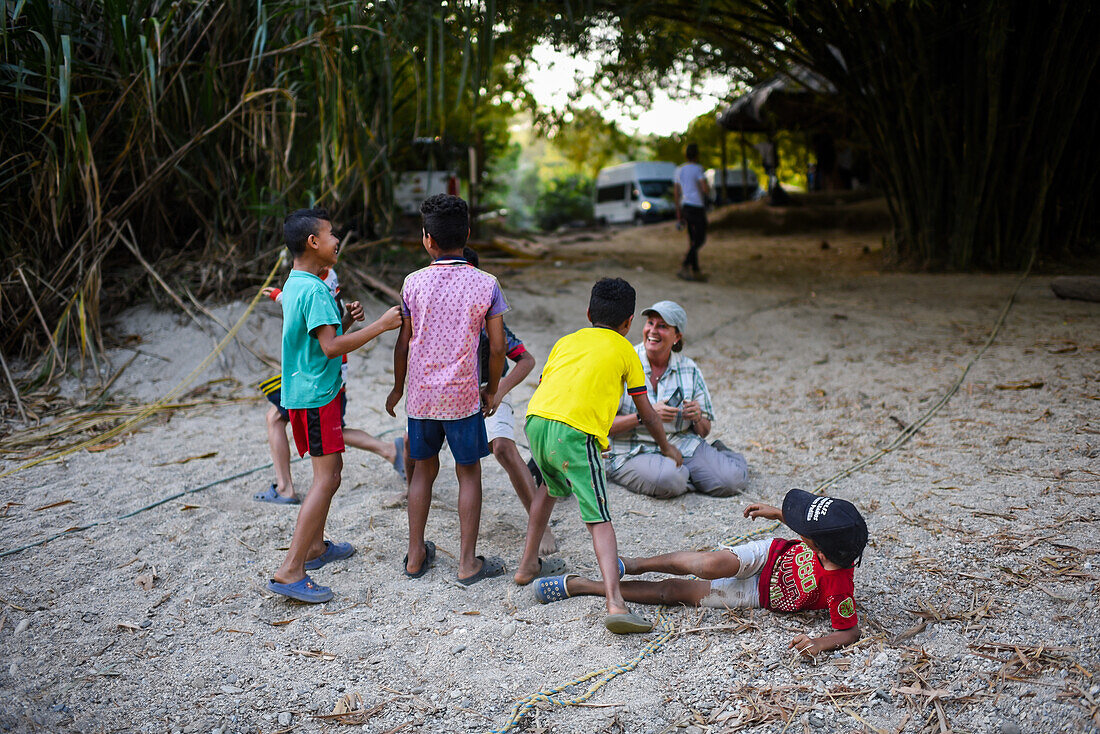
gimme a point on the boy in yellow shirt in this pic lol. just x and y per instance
(568, 419)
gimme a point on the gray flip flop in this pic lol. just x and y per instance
(625, 624)
(490, 567)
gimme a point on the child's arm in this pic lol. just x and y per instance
(653, 424)
(759, 509)
(523, 367)
(334, 345)
(400, 364)
(811, 646)
(494, 326)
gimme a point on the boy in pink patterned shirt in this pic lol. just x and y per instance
(444, 308)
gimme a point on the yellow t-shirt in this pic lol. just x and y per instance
(583, 380)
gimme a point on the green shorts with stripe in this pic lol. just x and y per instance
(570, 464)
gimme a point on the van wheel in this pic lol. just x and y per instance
(601, 221)
(639, 220)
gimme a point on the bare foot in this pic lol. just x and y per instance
(526, 574)
(549, 543)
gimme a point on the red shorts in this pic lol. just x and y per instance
(318, 430)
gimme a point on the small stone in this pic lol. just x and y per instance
(455, 693)
(231, 679)
(508, 630)
(285, 717)
(1009, 727)
(417, 690)
(231, 690)
(457, 649)
(22, 626)
(146, 624)
(816, 720)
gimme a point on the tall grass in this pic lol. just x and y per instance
(184, 130)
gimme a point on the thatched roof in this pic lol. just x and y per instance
(789, 101)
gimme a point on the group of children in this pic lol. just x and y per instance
(450, 366)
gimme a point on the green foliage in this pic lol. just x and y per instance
(564, 198)
(185, 130)
(976, 115)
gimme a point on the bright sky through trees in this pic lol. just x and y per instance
(554, 75)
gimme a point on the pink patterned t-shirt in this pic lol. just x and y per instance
(448, 303)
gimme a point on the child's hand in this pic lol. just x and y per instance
(392, 400)
(355, 310)
(674, 453)
(390, 320)
(490, 402)
(759, 509)
(271, 292)
(807, 646)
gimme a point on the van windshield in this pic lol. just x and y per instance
(656, 188)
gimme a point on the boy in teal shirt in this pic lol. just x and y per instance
(313, 342)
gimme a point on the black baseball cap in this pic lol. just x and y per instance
(834, 525)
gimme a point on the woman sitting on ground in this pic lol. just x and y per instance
(680, 396)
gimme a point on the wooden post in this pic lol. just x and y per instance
(744, 169)
(723, 198)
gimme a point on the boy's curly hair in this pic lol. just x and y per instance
(299, 225)
(612, 302)
(447, 220)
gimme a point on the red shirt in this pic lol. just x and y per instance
(794, 580)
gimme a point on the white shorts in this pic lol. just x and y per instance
(501, 424)
(743, 590)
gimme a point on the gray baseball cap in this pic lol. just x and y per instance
(673, 314)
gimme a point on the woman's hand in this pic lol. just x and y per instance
(692, 410)
(667, 413)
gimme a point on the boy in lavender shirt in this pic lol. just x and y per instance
(444, 308)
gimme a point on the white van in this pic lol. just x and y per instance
(737, 181)
(411, 188)
(635, 192)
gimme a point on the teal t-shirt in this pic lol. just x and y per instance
(310, 379)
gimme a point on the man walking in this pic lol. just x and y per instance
(691, 200)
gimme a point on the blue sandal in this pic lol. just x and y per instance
(333, 552)
(305, 589)
(399, 462)
(272, 496)
(552, 588)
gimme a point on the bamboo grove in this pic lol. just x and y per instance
(179, 133)
(979, 116)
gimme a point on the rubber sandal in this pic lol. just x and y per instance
(399, 462)
(548, 567)
(306, 590)
(625, 624)
(552, 588)
(535, 472)
(490, 568)
(272, 496)
(429, 561)
(333, 552)
(622, 568)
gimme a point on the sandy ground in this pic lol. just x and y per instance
(977, 596)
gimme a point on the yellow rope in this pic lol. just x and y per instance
(159, 404)
(667, 628)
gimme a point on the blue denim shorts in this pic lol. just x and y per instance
(467, 438)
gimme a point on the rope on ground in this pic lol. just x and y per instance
(664, 623)
(153, 407)
(158, 503)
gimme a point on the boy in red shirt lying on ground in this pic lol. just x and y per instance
(814, 572)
